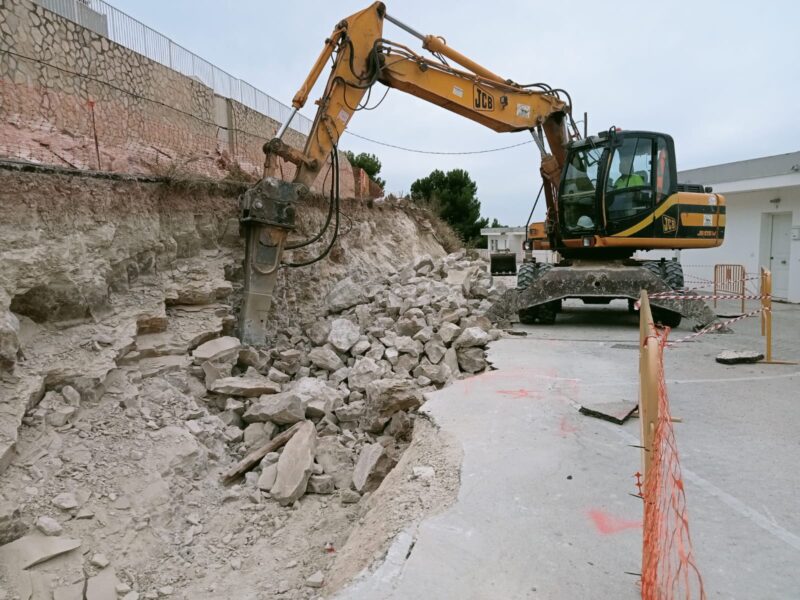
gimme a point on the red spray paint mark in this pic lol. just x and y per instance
(608, 524)
(520, 393)
(566, 426)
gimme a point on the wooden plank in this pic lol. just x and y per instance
(616, 412)
(249, 461)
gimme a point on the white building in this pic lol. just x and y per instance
(762, 229)
(511, 238)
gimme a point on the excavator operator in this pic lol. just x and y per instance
(627, 177)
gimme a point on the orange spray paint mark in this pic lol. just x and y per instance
(608, 524)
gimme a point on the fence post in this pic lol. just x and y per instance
(766, 312)
(649, 350)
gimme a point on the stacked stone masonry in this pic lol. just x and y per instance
(63, 86)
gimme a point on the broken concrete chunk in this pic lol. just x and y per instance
(734, 357)
(294, 465)
(344, 334)
(367, 461)
(222, 349)
(247, 387)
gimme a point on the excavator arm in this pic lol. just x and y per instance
(361, 57)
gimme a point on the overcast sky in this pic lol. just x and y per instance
(722, 77)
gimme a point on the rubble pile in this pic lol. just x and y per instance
(123, 476)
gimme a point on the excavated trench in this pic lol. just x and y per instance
(124, 396)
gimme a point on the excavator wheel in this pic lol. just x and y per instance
(672, 273)
(544, 314)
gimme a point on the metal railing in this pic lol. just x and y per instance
(119, 27)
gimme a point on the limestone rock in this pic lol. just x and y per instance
(11, 525)
(321, 484)
(295, 464)
(222, 349)
(434, 350)
(335, 460)
(49, 526)
(451, 360)
(345, 294)
(387, 396)
(284, 409)
(153, 322)
(9, 339)
(448, 332)
(278, 376)
(344, 334)
(363, 371)
(350, 412)
(325, 358)
(246, 387)
(65, 501)
(315, 580)
(436, 373)
(471, 337)
(367, 462)
(31, 550)
(318, 332)
(407, 345)
(350, 497)
(471, 360)
(267, 479)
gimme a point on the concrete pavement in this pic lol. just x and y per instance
(544, 509)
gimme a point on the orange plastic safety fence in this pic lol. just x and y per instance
(668, 566)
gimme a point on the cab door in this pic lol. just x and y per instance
(630, 187)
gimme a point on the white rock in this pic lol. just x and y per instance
(362, 372)
(65, 501)
(471, 337)
(247, 387)
(325, 358)
(295, 464)
(49, 526)
(344, 334)
(99, 560)
(315, 580)
(367, 461)
(448, 332)
(221, 349)
(345, 294)
(284, 409)
(267, 478)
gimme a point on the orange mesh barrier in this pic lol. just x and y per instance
(668, 566)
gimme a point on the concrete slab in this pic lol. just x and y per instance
(544, 509)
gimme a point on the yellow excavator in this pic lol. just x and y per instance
(607, 196)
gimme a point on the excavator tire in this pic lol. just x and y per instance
(544, 314)
(672, 275)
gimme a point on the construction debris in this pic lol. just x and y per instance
(737, 357)
(616, 412)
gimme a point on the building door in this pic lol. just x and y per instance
(779, 253)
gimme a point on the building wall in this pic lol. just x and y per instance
(72, 97)
(746, 237)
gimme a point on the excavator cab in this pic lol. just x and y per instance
(619, 193)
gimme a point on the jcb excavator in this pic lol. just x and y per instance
(607, 195)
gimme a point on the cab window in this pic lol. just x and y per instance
(629, 189)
